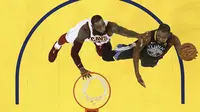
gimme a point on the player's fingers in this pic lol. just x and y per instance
(87, 76)
(84, 77)
(87, 73)
(90, 75)
(143, 84)
(84, 74)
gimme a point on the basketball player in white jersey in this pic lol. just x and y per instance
(96, 30)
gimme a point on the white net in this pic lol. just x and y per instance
(93, 92)
(94, 99)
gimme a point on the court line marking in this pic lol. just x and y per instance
(65, 4)
(26, 42)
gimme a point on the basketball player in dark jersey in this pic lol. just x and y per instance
(149, 48)
(98, 31)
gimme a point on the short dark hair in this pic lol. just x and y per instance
(164, 27)
(96, 18)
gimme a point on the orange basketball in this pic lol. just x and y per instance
(188, 51)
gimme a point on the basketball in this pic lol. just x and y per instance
(188, 51)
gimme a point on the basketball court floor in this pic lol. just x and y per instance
(28, 31)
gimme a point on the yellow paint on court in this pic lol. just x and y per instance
(47, 87)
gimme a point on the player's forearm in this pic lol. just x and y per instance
(77, 60)
(75, 54)
(176, 43)
(121, 30)
(136, 56)
(136, 65)
(126, 32)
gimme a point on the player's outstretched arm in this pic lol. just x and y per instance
(176, 42)
(187, 55)
(77, 45)
(143, 40)
(115, 28)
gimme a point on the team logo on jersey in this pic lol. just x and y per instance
(155, 50)
(99, 39)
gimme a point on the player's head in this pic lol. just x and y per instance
(163, 33)
(98, 24)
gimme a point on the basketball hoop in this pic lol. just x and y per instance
(92, 103)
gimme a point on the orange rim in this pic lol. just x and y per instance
(91, 110)
(101, 105)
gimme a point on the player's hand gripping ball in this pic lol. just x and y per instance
(188, 52)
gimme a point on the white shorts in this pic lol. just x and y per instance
(73, 32)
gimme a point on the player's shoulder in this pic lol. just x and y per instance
(149, 32)
(84, 31)
(174, 38)
(111, 24)
(111, 27)
(85, 28)
(146, 36)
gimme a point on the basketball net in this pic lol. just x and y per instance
(92, 93)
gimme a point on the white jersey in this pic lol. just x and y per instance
(97, 39)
